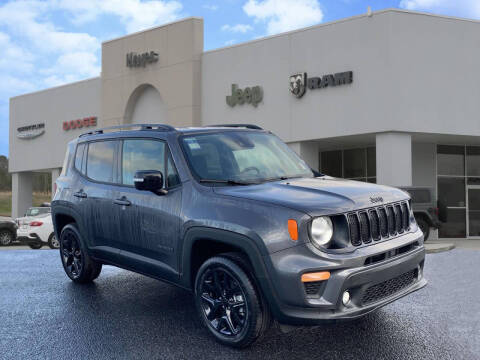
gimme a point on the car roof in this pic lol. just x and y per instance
(157, 129)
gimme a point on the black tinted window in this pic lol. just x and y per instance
(100, 160)
(332, 163)
(141, 155)
(419, 195)
(79, 157)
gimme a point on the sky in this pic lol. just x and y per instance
(45, 43)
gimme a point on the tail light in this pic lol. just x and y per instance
(36, 223)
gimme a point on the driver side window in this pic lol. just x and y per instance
(140, 154)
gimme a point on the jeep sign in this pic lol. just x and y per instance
(248, 95)
(300, 82)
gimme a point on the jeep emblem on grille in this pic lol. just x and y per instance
(376, 199)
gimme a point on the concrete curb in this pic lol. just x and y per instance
(432, 248)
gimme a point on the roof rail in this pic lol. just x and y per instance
(155, 127)
(248, 126)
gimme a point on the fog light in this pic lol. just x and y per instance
(345, 297)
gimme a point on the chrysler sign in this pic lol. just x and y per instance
(299, 83)
(31, 131)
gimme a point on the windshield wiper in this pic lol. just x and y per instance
(228, 181)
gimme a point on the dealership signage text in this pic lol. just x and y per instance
(250, 95)
(80, 123)
(141, 60)
(300, 82)
(31, 131)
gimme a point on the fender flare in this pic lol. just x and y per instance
(258, 259)
(68, 211)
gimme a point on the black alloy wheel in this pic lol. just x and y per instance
(72, 256)
(77, 263)
(223, 302)
(228, 302)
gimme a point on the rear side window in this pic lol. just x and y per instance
(79, 158)
(100, 164)
(420, 195)
(140, 154)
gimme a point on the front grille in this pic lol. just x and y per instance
(377, 223)
(387, 288)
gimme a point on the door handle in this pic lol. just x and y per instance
(80, 194)
(122, 201)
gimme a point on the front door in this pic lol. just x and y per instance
(473, 210)
(149, 223)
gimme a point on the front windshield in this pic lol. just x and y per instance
(242, 156)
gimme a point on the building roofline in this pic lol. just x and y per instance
(55, 87)
(339, 21)
(153, 28)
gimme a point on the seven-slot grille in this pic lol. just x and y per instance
(377, 223)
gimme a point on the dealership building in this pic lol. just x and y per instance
(391, 97)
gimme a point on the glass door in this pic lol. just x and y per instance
(473, 210)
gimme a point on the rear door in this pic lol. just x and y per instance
(149, 223)
(97, 192)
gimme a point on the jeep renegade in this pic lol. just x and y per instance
(234, 215)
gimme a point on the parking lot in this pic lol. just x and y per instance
(124, 315)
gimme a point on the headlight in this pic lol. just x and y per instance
(321, 231)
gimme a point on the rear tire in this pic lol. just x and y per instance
(423, 225)
(6, 237)
(53, 242)
(76, 261)
(228, 303)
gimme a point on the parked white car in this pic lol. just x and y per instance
(37, 231)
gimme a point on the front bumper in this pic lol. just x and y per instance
(371, 285)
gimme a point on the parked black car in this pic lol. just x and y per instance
(429, 214)
(235, 216)
(8, 232)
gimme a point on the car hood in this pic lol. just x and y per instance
(317, 196)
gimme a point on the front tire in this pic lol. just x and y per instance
(53, 242)
(228, 304)
(78, 265)
(6, 237)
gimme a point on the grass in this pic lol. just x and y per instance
(6, 201)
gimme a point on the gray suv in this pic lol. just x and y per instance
(236, 217)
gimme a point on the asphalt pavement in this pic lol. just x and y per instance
(123, 315)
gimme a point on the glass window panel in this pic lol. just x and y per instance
(456, 225)
(141, 155)
(451, 191)
(172, 175)
(331, 162)
(473, 160)
(79, 157)
(100, 160)
(473, 181)
(372, 180)
(450, 160)
(474, 212)
(371, 162)
(419, 195)
(354, 163)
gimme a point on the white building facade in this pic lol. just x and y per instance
(391, 98)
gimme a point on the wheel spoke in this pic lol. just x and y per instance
(228, 320)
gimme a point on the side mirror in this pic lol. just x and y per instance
(149, 180)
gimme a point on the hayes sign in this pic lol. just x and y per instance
(299, 83)
(80, 123)
(141, 60)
